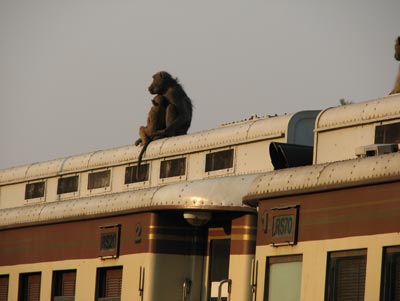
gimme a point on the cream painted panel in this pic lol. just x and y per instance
(240, 273)
(196, 166)
(164, 276)
(86, 275)
(12, 196)
(51, 190)
(341, 144)
(118, 178)
(255, 157)
(315, 260)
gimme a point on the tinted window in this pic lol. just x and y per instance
(173, 168)
(390, 282)
(99, 179)
(132, 177)
(67, 184)
(34, 190)
(345, 277)
(388, 133)
(219, 160)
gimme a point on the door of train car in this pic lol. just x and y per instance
(207, 262)
(230, 252)
(219, 284)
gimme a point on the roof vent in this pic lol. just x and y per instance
(376, 149)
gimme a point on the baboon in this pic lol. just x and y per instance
(179, 110)
(155, 122)
(396, 88)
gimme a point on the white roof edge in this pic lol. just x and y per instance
(214, 138)
(210, 194)
(319, 177)
(380, 109)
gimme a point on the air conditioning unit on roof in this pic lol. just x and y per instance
(376, 149)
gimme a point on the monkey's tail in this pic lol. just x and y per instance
(140, 159)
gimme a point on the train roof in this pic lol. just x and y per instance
(359, 113)
(323, 177)
(211, 194)
(254, 129)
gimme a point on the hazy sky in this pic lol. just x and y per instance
(74, 73)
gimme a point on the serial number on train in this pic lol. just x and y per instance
(283, 225)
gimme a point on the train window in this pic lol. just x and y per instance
(109, 283)
(219, 160)
(34, 190)
(390, 282)
(67, 184)
(64, 283)
(173, 168)
(388, 133)
(283, 278)
(4, 279)
(29, 286)
(99, 179)
(345, 275)
(130, 174)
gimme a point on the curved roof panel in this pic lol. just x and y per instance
(359, 113)
(320, 177)
(231, 134)
(212, 194)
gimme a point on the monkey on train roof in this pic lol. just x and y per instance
(396, 88)
(170, 115)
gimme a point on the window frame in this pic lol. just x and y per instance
(36, 199)
(175, 178)
(94, 190)
(70, 194)
(224, 170)
(382, 126)
(5, 287)
(133, 167)
(389, 255)
(58, 280)
(274, 260)
(101, 283)
(24, 280)
(334, 258)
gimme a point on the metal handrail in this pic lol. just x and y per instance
(141, 282)
(186, 288)
(222, 282)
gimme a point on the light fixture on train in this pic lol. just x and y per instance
(197, 218)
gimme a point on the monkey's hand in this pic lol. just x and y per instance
(138, 142)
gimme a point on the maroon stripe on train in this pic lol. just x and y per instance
(343, 213)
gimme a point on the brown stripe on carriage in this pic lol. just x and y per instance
(240, 230)
(342, 213)
(139, 233)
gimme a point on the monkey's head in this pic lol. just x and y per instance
(161, 82)
(397, 49)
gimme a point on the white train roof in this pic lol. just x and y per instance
(327, 176)
(231, 134)
(212, 194)
(359, 113)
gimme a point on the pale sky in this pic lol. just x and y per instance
(74, 73)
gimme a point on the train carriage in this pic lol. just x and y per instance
(330, 231)
(302, 206)
(89, 227)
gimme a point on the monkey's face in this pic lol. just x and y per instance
(160, 83)
(397, 49)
